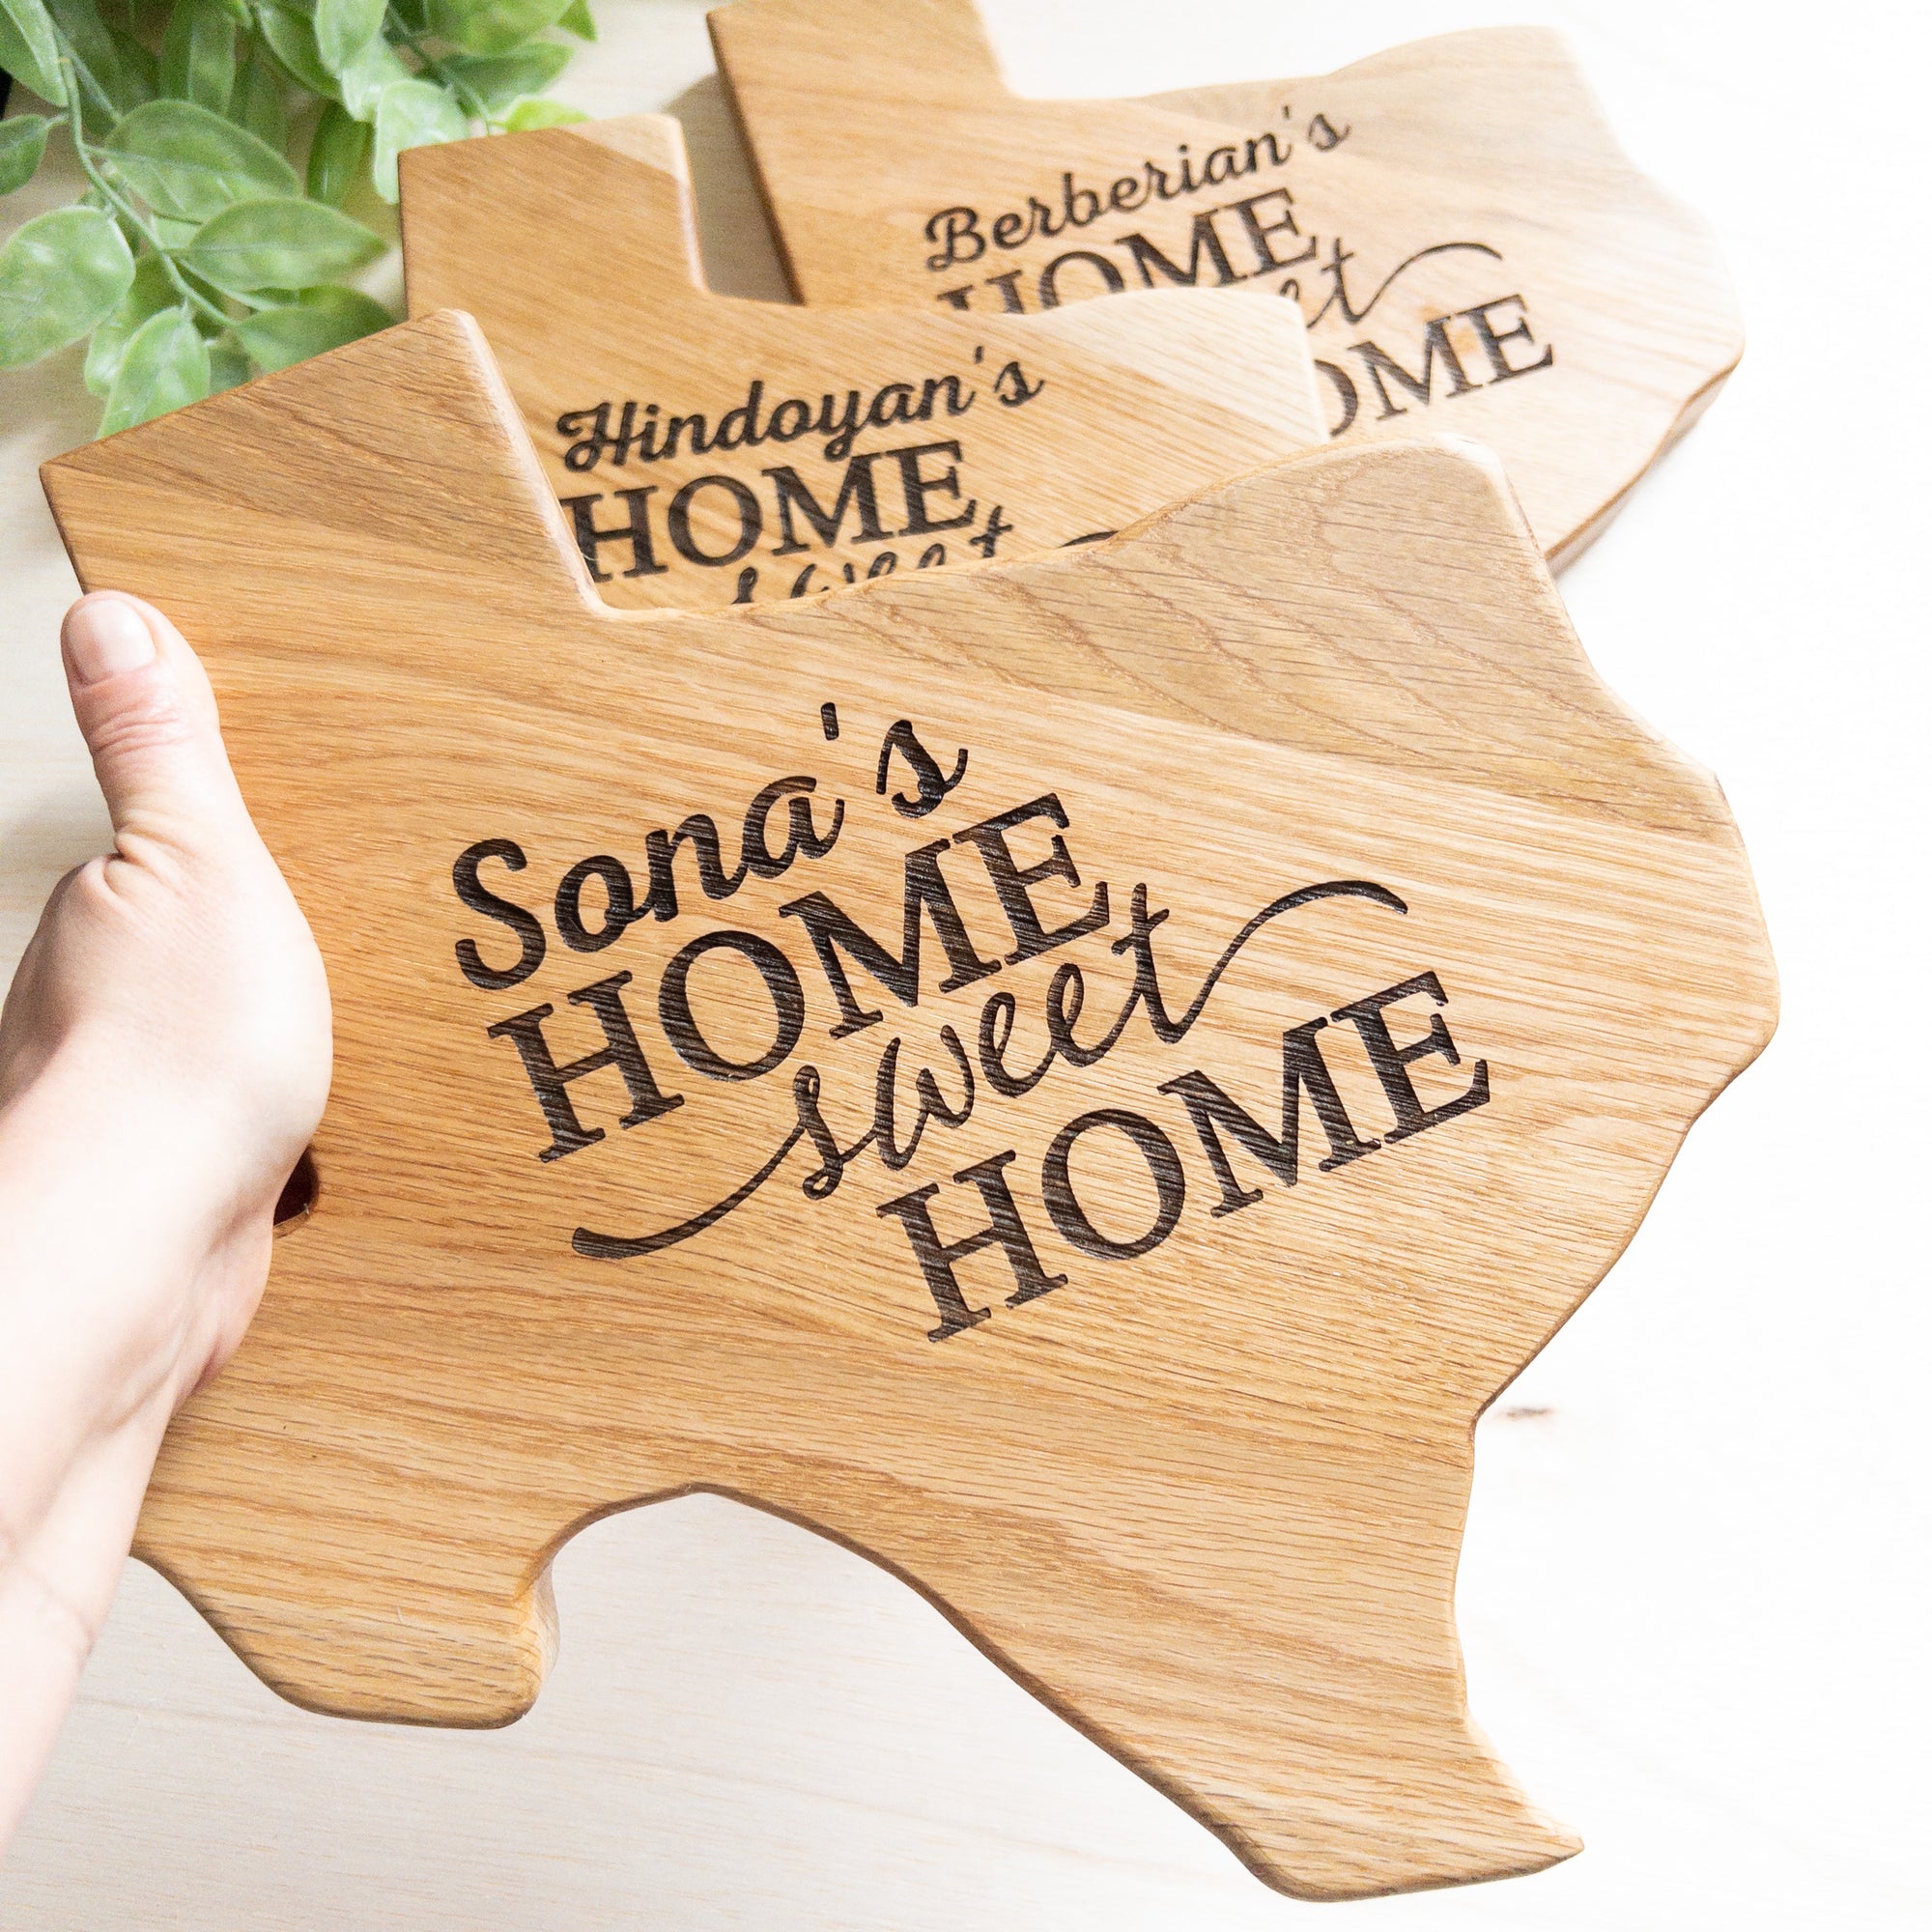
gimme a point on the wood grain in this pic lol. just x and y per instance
(848, 444)
(1204, 1499)
(1472, 249)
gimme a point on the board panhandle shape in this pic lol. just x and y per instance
(1076, 1078)
(1470, 248)
(711, 451)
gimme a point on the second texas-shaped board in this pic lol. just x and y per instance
(714, 450)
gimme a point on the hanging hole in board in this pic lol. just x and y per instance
(298, 1194)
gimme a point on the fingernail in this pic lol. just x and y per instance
(105, 635)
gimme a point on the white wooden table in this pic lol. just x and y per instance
(1695, 1594)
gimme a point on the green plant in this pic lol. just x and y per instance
(198, 255)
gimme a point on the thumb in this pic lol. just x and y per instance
(144, 706)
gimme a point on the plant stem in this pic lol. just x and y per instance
(77, 67)
(106, 188)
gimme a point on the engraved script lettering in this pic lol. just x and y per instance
(1250, 240)
(718, 519)
(945, 1225)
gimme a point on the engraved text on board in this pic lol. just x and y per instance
(1241, 1144)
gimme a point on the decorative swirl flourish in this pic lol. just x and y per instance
(1065, 996)
(1339, 293)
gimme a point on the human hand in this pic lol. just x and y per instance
(172, 985)
(164, 1056)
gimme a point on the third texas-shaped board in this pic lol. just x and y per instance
(1469, 246)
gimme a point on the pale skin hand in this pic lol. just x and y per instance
(164, 1056)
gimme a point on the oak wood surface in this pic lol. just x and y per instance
(1470, 248)
(576, 250)
(1204, 1501)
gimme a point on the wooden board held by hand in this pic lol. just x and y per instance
(1076, 1078)
(1472, 249)
(711, 451)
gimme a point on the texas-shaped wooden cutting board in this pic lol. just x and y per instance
(1472, 251)
(711, 451)
(1076, 1078)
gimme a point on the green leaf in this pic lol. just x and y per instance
(502, 78)
(198, 54)
(28, 50)
(149, 293)
(494, 26)
(227, 367)
(165, 366)
(239, 10)
(362, 82)
(61, 274)
(283, 243)
(527, 115)
(411, 114)
(338, 157)
(319, 321)
(343, 28)
(190, 165)
(140, 70)
(292, 41)
(23, 140)
(105, 92)
(260, 104)
(92, 197)
(576, 19)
